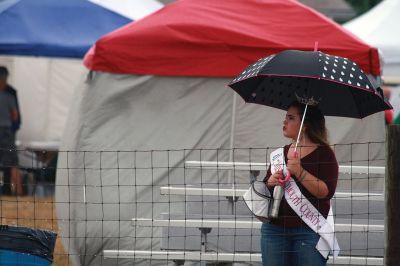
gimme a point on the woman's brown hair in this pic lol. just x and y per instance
(315, 123)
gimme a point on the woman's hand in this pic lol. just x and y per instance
(273, 180)
(293, 164)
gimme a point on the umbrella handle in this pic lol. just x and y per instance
(285, 180)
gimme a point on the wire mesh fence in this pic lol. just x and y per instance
(179, 207)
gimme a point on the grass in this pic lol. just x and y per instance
(36, 213)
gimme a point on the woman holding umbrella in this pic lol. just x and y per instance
(301, 229)
(288, 240)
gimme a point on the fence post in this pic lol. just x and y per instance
(392, 196)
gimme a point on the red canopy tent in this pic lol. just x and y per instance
(220, 38)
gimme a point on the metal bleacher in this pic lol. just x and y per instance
(235, 238)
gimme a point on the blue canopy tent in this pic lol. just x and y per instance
(62, 28)
(42, 42)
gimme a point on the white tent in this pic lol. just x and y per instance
(122, 144)
(128, 134)
(46, 84)
(379, 27)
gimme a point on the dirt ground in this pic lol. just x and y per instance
(33, 212)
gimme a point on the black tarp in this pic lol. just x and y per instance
(36, 242)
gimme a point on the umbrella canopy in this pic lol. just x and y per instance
(336, 84)
(220, 38)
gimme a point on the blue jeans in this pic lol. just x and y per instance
(289, 246)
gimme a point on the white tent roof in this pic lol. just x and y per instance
(130, 9)
(379, 27)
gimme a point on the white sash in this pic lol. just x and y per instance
(306, 211)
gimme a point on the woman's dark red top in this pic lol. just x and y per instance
(322, 164)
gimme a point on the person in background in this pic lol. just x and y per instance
(9, 124)
(387, 91)
(397, 120)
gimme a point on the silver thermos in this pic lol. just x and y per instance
(277, 195)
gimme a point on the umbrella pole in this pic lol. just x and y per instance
(301, 127)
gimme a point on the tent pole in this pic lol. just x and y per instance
(233, 126)
(49, 87)
(231, 146)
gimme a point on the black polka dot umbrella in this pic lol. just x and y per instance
(336, 84)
